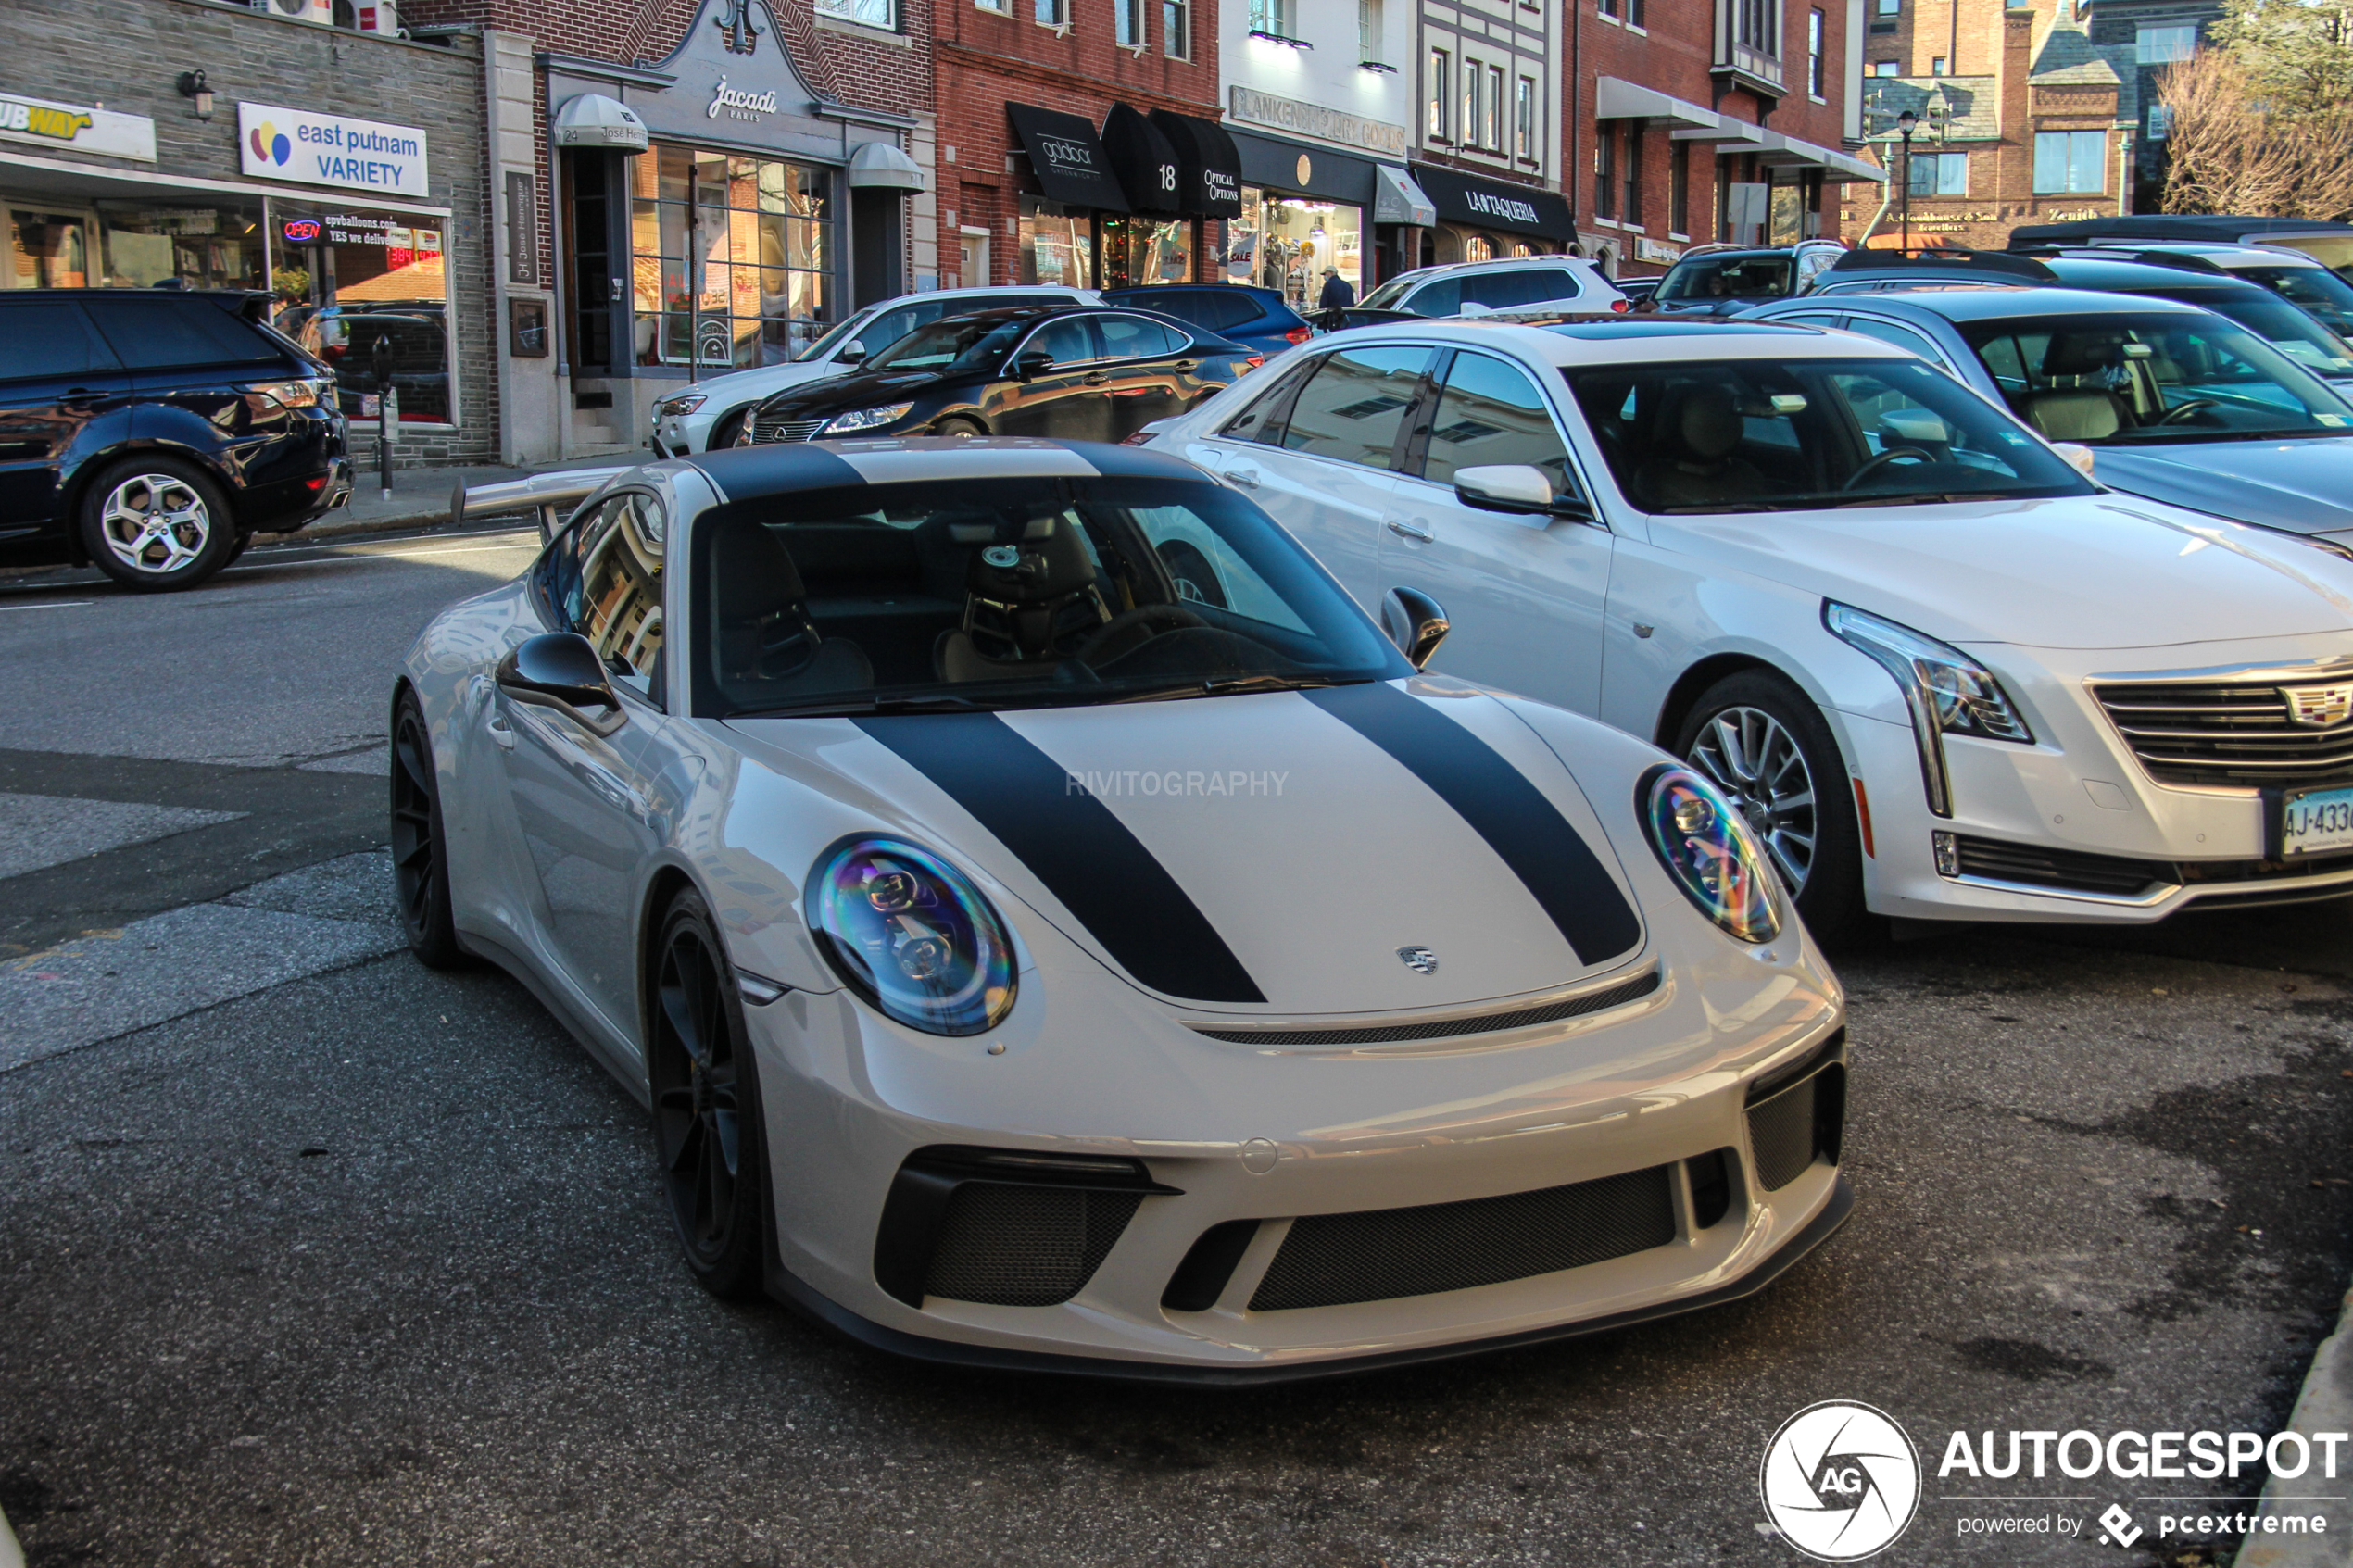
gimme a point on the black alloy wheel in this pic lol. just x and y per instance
(955, 427)
(708, 1148)
(419, 851)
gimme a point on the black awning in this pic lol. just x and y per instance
(1144, 162)
(1211, 179)
(1067, 157)
(1492, 204)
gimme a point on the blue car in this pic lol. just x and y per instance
(1236, 312)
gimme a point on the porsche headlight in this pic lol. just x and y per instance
(1706, 848)
(914, 938)
(1947, 692)
(684, 403)
(866, 419)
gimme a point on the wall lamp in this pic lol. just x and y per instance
(1376, 65)
(1260, 32)
(193, 85)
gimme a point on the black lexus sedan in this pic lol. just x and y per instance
(1073, 372)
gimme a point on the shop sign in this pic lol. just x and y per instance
(1648, 249)
(83, 128)
(1254, 107)
(736, 103)
(331, 149)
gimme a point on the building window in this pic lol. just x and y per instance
(1939, 174)
(1271, 16)
(867, 13)
(1890, 8)
(1607, 8)
(369, 276)
(2070, 163)
(1936, 66)
(1814, 53)
(728, 254)
(1883, 67)
(1127, 24)
(1633, 13)
(1368, 46)
(1632, 208)
(1003, 7)
(1176, 29)
(1494, 110)
(2164, 46)
(1524, 118)
(1468, 132)
(1678, 188)
(1606, 170)
(2160, 122)
(1052, 13)
(1757, 26)
(1440, 65)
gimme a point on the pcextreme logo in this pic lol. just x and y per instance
(1841, 1481)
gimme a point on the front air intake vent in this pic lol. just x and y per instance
(1379, 1255)
(1790, 1127)
(1023, 1246)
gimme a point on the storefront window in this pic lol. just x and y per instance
(347, 280)
(729, 255)
(1286, 242)
(136, 245)
(1146, 250)
(1478, 248)
(1056, 247)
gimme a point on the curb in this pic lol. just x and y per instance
(2325, 1405)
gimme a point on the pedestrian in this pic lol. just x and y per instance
(1337, 295)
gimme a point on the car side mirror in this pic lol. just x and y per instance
(1516, 490)
(2076, 452)
(1415, 624)
(560, 670)
(1032, 362)
(850, 352)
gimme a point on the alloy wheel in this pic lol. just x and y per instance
(1751, 758)
(156, 524)
(695, 1128)
(412, 846)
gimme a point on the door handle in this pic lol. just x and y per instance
(1096, 378)
(502, 733)
(1187, 366)
(1245, 477)
(1407, 531)
(79, 397)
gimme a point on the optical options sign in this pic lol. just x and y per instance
(331, 149)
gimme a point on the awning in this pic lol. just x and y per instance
(1143, 162)
(1616, 98)
(879, 165)
(1491, 204)
(1838, 168)
(591, 120)
(1210, 166)
(1067, 157)
(1396, 199)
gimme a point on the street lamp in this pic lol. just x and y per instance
(1906, 123)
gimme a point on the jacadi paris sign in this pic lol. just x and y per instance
(331, 149)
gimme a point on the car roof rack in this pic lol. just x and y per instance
(1942, 259)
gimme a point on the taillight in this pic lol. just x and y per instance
(1138, 439)
(1620, 305)
(1298, 335)
(1253, 360)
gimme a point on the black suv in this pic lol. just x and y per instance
(152, 433)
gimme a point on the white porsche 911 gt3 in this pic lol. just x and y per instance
(1053, 928)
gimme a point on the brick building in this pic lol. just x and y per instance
(2019, 117)
(1078, 143)
(1729, 122)
(1488, 146)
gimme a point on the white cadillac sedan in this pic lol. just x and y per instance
(1943, 675)
(1052, 927)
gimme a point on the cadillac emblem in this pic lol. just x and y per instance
(2318, 707)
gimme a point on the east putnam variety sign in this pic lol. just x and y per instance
(82, 128)
(331, 149)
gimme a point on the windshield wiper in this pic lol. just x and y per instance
(842, 703)
(1230, 685)
(1926, 497)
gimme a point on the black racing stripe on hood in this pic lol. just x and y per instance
(1522, 828)
(1071, 842)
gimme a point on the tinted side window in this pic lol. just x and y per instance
(618, 604)
(1491, 413)
(1133, 338)
(1441, 298)
(1257, 422)
(892, 325)
(1351, 409)
(1067, 340)
(153, 331)
(1902, 338)
(48, 339)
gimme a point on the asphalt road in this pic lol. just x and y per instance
(309, 1256)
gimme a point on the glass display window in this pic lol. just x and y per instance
(1285, 243)
(729, 258)
(347, 281)
(136, 245)
(1146, 250)
(1056, 246)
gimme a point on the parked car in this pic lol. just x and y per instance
(2166, 401)
(710, 413)
(1257, 319)
(2293, 276)
(151, 432)
(2330, 244)
(1566, 282)
(1943, 675)
(1720, 279)
(1637, 290)
(801, 783)
(2292, 330)
(1078, 373)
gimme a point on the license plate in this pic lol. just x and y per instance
(2316, 819)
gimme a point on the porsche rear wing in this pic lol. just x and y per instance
(549, 496)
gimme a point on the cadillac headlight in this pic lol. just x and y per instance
(908, 933)
(1706, 848)
(1947, 692)
(684, 403)
(866, 419)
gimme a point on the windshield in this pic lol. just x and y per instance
(2332, 251)
(2132, 378)
(2315, 288)
(1012, 592)
(956, 343)
(1802, 434)
(2292, 332)
(824, 345)
(1387, 296)
(1728, 277)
